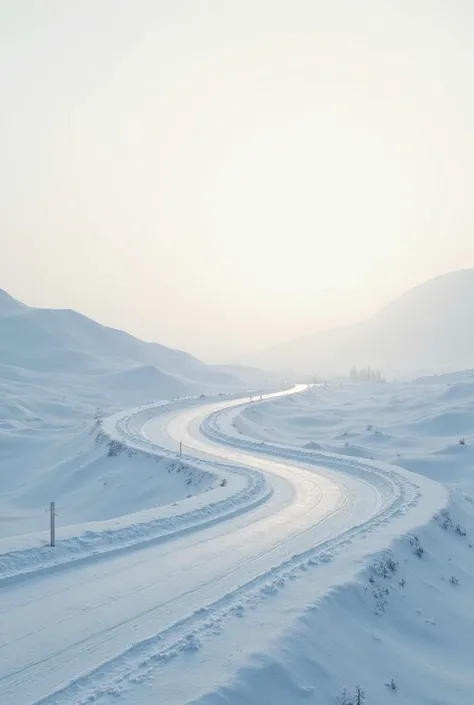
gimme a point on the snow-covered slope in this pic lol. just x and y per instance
(430, 328)
(90, 479)
(66, 341)
(59, 371)
(418, 425)
(400, 626)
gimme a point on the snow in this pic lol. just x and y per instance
(417, 425)
(60, 373)
(315, 540)
(327, 519)
(413, 626)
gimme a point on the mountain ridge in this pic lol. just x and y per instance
(426, 329)
(64, 341)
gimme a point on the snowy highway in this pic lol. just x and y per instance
(80, 632)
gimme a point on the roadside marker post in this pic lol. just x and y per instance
(52, 510)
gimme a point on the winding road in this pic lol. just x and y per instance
(74, 634)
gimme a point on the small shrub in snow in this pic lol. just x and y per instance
(402, 582)
(391, 684)
(115, 448)
(370, 427)
(462, 441)
(385, 567)
(453, 580)
(444, 519)
(380, 569)
(344, 696)
(392, 564)
(381, 602)
(418, 549)
(357, 698)
(223, 482)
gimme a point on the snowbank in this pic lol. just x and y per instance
(177, 490)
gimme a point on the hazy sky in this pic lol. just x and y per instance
(220, 175)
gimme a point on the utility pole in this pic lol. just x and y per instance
(52, 510)
(180, 448)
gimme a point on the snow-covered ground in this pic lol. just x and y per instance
(402, 626)
(290, 552)
(418, 425)
(235, 585)
(60, 373)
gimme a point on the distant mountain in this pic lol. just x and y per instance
(428, 329)
(52, 342)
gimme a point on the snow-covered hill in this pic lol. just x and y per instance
(430, 328)
(59, 371)
(66, 341)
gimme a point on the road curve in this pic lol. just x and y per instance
(78, 633)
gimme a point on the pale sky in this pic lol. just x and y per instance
(222, 175)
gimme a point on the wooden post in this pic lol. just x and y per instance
(53, 526)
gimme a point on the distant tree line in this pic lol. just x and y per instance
(366, 374)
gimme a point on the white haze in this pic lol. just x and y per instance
(220, 176)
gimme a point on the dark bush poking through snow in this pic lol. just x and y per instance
(418, 549)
